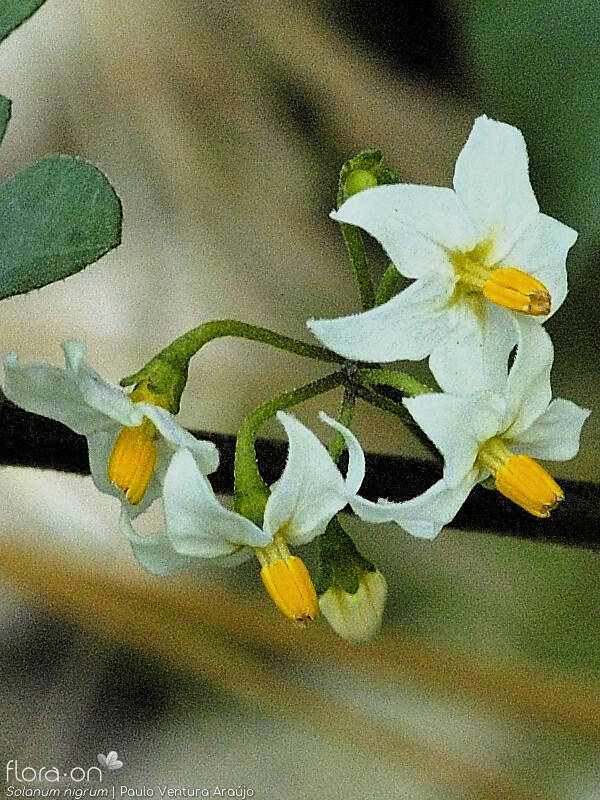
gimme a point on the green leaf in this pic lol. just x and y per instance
(14, 12)
(5, 105)
(55, 218)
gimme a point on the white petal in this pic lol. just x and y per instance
(406, 327)
(425, 515)
(457, 426)
(100, 447)
(541, 250)
(51, 392)
(473, 356)
(310, 491)
(356, 456)
(415, 224)
(528, 390)
(156, 553)
(197, 524)
(492, 180)
(205, 453)
(95, 391)
(555, 435)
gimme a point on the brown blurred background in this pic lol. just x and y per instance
(222, 126)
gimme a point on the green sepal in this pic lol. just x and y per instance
(370, 161)
(163, 375)
(14, 12)
(340, 563)
(5, 107)
(56, 217)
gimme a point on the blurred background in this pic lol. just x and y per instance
(223, 126)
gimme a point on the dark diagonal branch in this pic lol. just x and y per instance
(32, 441)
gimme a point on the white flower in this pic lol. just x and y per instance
(497, 431)
(484, 239)
(310, 491)
(356, 617)
(80, 399)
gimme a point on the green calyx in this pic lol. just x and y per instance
(341, 566)
(162, 377)
(363, 171)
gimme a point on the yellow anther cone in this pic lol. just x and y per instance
(289, 585)
(132, 461)
(527, 484)
(518, 291)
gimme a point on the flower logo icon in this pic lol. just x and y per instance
(111, 761)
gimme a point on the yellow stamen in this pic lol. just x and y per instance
(288, 582)
(507, 286)
(521, 479)
(132, 460)
(514, 289)
(133, 457)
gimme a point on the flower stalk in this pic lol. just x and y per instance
(250, 491)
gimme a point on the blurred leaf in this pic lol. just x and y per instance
(5, 105)
(14, 12)
(55, 218)
(536, 65)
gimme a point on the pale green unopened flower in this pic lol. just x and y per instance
(356, 617)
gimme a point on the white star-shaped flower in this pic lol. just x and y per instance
(199, 528)
(497, 431)
(479, 254)
(80, 399)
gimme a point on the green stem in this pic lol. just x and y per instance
(387, 285)
(338, 443)
(167, 371)
(360, 264)
(385, 404)
(250, 491)
(385, 376)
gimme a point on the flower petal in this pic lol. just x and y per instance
(555, 435)
(491, 178)
(528, 391)
(53, 393)
(425, 515)
(541, 250)
(416, 225)
(356, 456)
(473, 356)
(205, 453)
(100, 447)
(457, 426)
(406, 327)
(197, 524)
(310, 491)
(157, 555)
(95, 391)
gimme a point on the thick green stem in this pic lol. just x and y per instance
(250, 491)
(360, 264)
(169, 367)
(338, 443)
(387, 285)
(397, 379)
